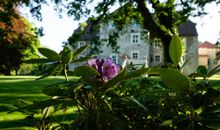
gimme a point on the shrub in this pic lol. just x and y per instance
(109, 97)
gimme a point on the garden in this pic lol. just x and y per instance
(100, 94)
(47, 94)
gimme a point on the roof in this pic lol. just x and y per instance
(207, 44)
(188, 29)
(89, 31)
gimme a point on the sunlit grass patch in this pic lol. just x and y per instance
(16, 88)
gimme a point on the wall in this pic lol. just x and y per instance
(191, 55)
(126, 47)
(210, 57)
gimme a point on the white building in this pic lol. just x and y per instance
(138, 50)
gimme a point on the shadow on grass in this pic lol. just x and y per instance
(28, 123)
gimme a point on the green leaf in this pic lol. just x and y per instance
(50, 54)
(124, 76)
(85, 71)
(212, 122)
(174, 79)
(137, 73)
(175, 49)
(166, 123)
(154, 71)
(80, 50)
(138, 104)
(202, 70)
(83, 59)
(37, 61)
(214, 71)
(56, 70)
(116, 123)
(67, 55)
(211, 109)
(55, 90)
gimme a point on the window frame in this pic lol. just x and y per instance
(155, 59)
(132, 55)
(157, 44)
(116, 57)
(138, 38)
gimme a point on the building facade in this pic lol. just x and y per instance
(207, 55)
(135, 48)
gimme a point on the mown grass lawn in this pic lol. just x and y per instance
(14, 88)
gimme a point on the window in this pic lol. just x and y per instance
(209, 61)
(114, 57)
(134, 55)
(81, 43)
(157, 43)
(135, 38)
(157, 58)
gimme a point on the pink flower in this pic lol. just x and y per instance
(107, 68)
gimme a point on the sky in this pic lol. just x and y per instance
(58, 30)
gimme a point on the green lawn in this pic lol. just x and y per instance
(13, 88)
(216, 81)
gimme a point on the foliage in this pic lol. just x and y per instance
(17, 42)
(160, 18)
(109, 98)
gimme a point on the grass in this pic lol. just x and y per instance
(14, 88)
(215, 80)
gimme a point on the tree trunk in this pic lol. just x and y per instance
(166, 44)
(16, 71)
(162, 29)
(7, 71)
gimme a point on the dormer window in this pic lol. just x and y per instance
(135, 38)
(81, 44)
(157, 43)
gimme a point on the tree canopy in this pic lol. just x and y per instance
(160, 18)
(17, 42)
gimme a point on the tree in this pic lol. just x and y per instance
(17, 42)
(159, 17)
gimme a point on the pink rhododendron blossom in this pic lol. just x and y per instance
(107, 68)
